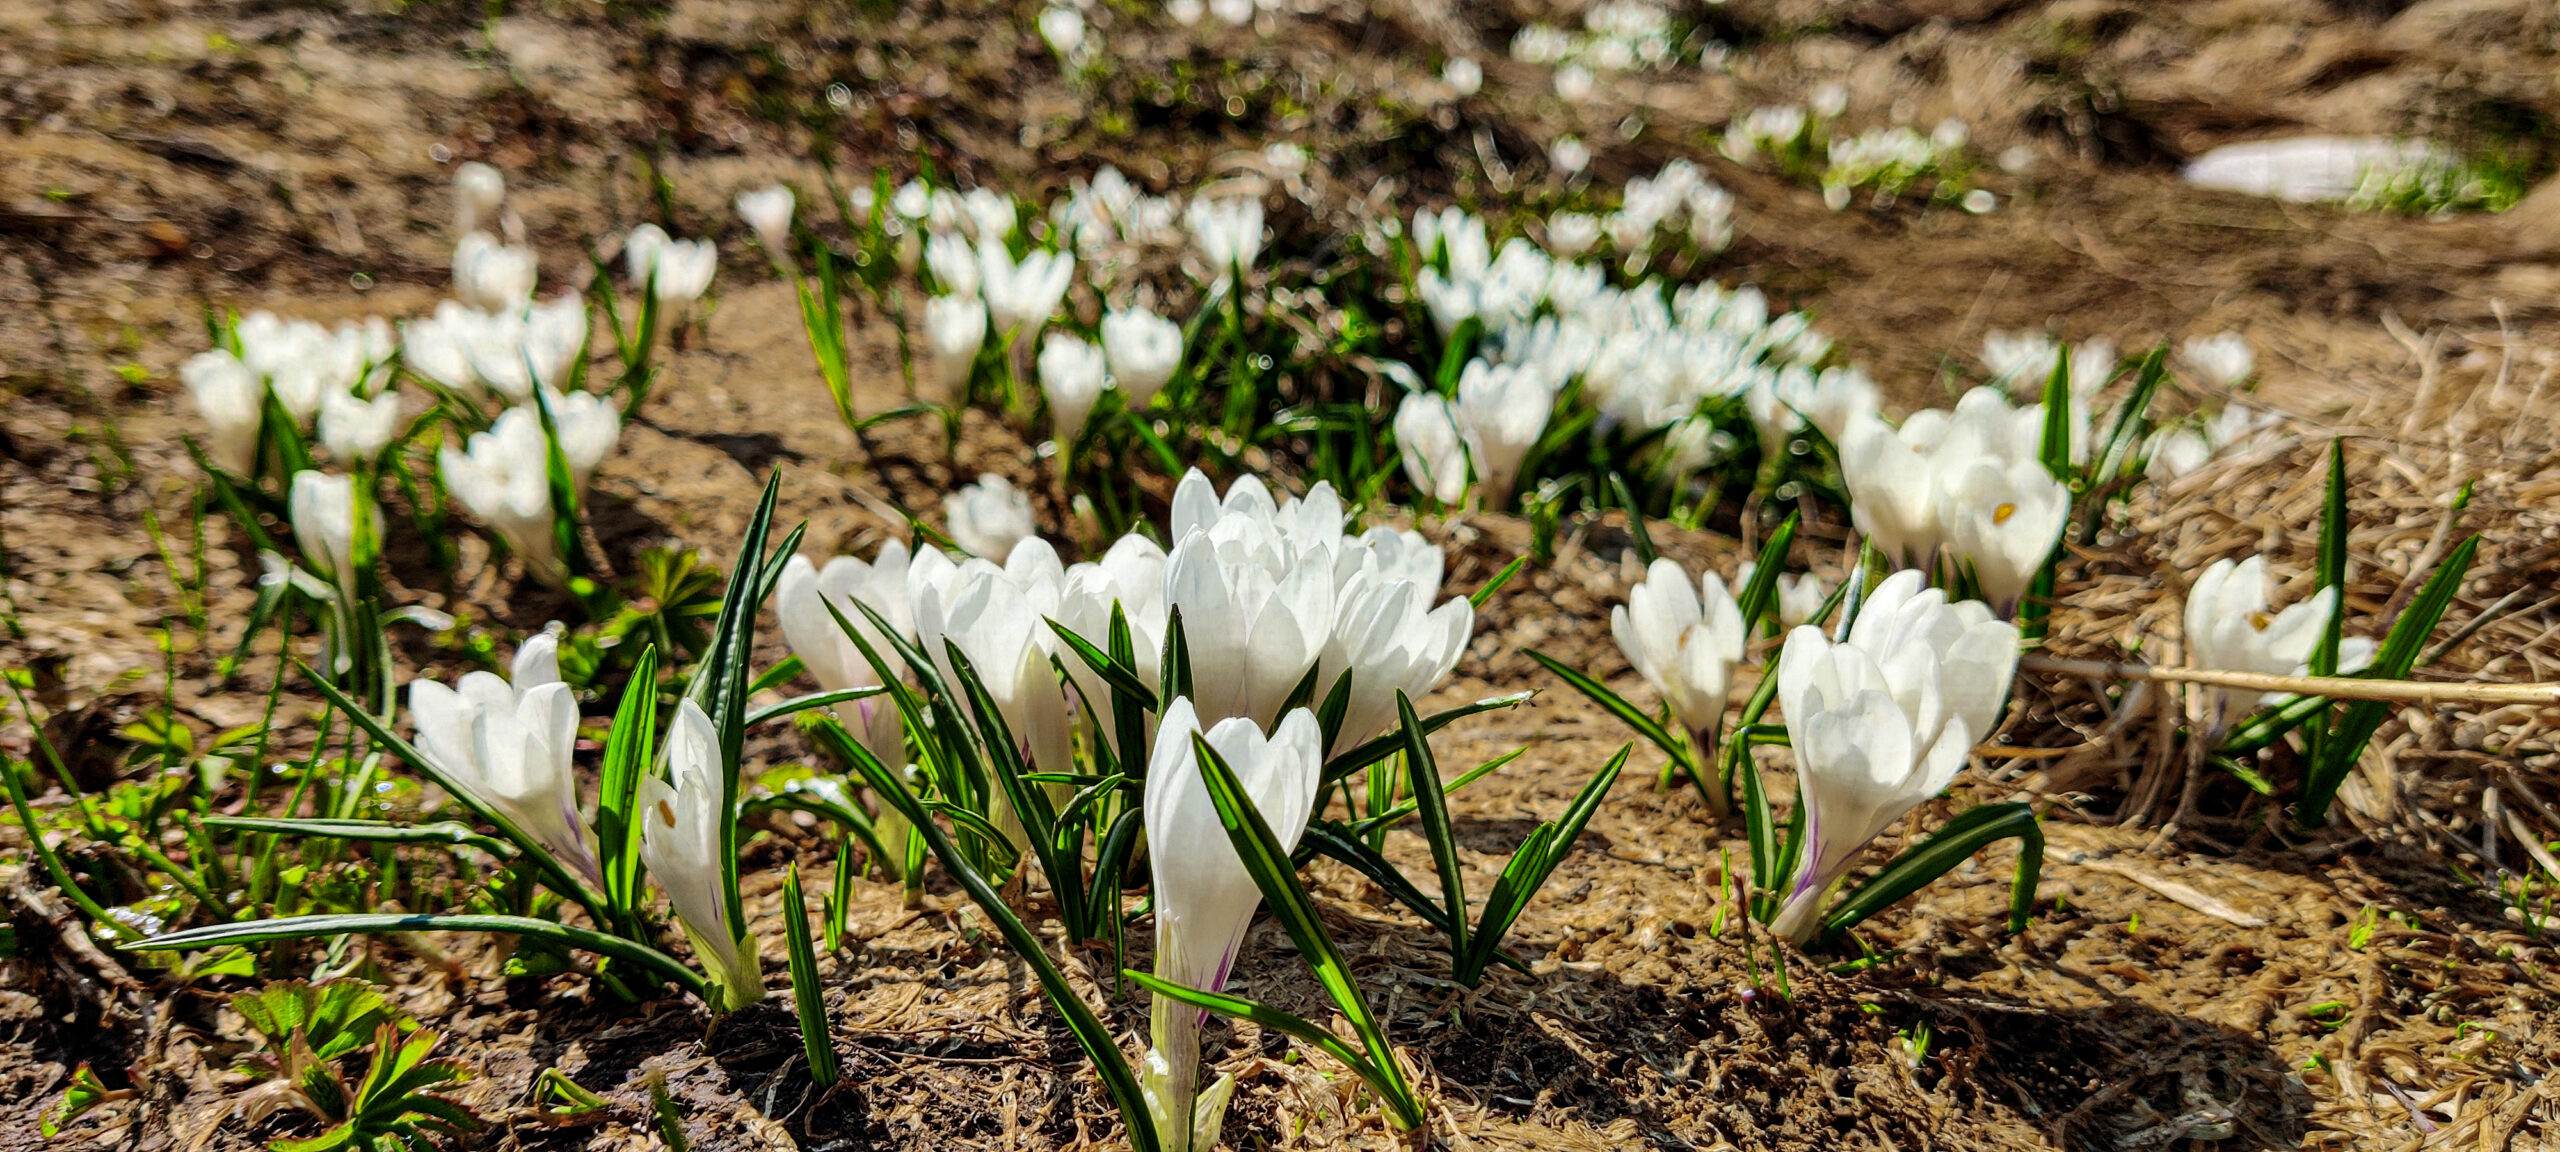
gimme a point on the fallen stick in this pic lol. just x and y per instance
(2332, 687)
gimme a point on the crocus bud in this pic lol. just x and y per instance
(680, 841)
(478, 189)
(491, 276)
(356, 431)
(768, 211)
(1427, 436)
(954, 263)
(1502, 411)
(989, 517)
(832, 658)
(231, 402)
(1144, 350)
(1464, 76)
(1228, 233)
(324, 523)
(1204, 898)
(1072, 377)
(956, 328)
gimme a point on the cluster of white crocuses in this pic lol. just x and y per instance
(1648, 357)
(1963, 494)
(1616, 36)
(1802, 140)
(334, 384)
(512, 743)
(1269, 591)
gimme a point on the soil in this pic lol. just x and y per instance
(2216, 986)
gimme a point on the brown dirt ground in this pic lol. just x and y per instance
(2202, 991)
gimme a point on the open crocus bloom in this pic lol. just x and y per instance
(2229, 629)
(1255, 583)
(995, 617)
(511, 744)
(680, 841)
(833, 660)
(1959, 491)
(356, 430)
(1388, 638)
(1021, 296)
(953, 262)
(1882, 721)
(504, 479)
(1684, 639)
(492, 276)
(2002, 521)
(1204, 898)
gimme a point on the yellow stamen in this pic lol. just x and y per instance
(2001, 514)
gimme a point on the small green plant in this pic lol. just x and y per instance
(394, 1108)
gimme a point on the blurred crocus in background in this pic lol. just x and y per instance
(767, 212)
(675, 272)
(357, 430)
(493, 276)
(231, 402)
(1072, 377)
(1022, 295)
(1143, 350)
(1881, 721)
(2222, 360)
(1502, 411)
(955, 328)
(323, 506)
(1228, 232)
(1435, 457)
(989, 517)
(478, 190)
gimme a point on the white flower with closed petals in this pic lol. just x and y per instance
(2222, 361)
(232, 404)
(954, 263)
(1144, 351)
(1130, 576)
(512, 745)
(2021, 360)
(1882, 721)
(1204, 898)
(1502, 411)
(1228, 233)
(989, 517)
(323, 509)
(478, 189)
(355, 430)
(1570, 234)
(1255, 584)
(503, 477)
(1389, 638)
(767, 212)
(955, 328)
(1464, 76)
(1434, 451)
(1072, 377)
(2230, 629)
(492, 276)
(680, 842)
(997, 618)
(1684, 638)
(833, 659)
(1022, 296)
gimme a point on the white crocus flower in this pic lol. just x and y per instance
(1502, 411)
(2002, 521)
(991, 215)
(1389, 639)
(2020, 360)
(438, 347)
(1255, 583)
(1464, 76)
(953, 262)
(833, 659)
(232, 404)
(323, 508)
(1228, 233)
(1022, 296)
(511, 743)
(2222, 361)
(989, 517)
(2229, 629)
(680, 842)
(1063, 28)
(1570, 234)
(1144, 351)
(356, 430)
(995, 616)
(1684, 638)
(1882, 721)
(956, 328)
(1204, 898)
(478, 189)
(768, 212)
(1435, 457)
(589, 426)
(1131, 576)
(492, 276)
(1892, 489)
(1799, 594)
(683, 272)
(1072, 377)
(503, 477)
